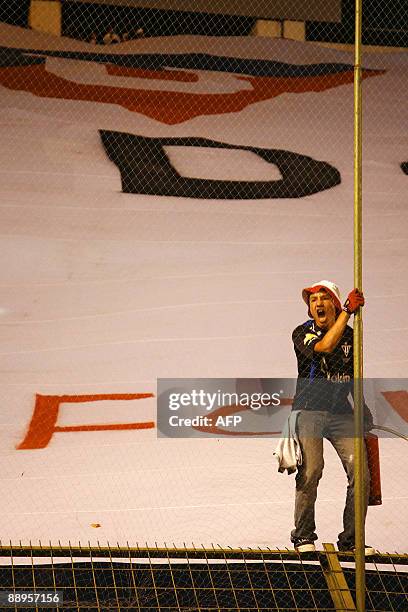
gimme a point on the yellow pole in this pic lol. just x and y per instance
(359, 457)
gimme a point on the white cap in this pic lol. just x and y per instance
(330, 287)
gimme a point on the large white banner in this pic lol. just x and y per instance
(116, 271)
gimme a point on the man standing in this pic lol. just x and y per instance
(324, 351)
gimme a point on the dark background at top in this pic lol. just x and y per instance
(15, 12)
(80, 20)
(385, 22)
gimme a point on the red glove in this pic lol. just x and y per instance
(355, 299)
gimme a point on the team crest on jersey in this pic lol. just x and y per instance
(346, 349)
(309, 338)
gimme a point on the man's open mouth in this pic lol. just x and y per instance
(320, 312)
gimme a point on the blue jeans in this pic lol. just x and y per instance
(312, 427)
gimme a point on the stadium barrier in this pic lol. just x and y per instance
(80, 577)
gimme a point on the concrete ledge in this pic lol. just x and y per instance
(268, 28)
(294, 30)
(274, 28)
(45, 16)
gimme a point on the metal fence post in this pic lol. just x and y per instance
(359, 491)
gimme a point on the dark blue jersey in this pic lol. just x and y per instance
(325, 380)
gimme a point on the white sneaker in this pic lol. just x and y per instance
(303, 546)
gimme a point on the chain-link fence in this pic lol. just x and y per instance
(139, 579)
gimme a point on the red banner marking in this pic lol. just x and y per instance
(228, 410)
(43, 422)
(170, 107)
(399, 401)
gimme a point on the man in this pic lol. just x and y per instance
(324, 351)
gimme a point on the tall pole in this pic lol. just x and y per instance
(359, 456)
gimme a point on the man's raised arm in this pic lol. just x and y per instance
(328, 343)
